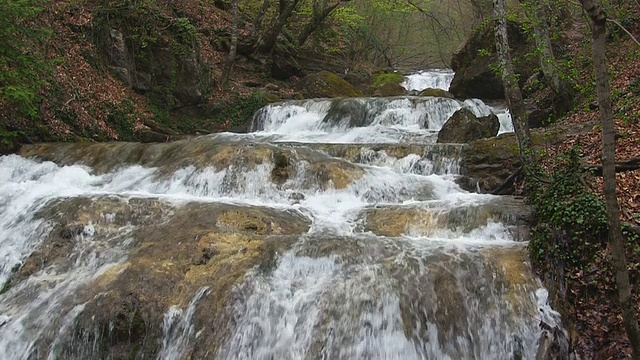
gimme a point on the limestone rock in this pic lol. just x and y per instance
(389, 89)
(326, 85)
(473, 60)
(173, 253)
(463, 126)
(436, 93)
(168, 67)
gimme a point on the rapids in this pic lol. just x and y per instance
(335, 229)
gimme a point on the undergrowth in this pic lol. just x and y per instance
(570, 223)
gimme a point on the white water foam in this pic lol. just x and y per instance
(434, 79)
(178, 331)
(361, 296)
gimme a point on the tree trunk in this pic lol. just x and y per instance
(228, 66)
(599, 19)
(319, 15)
(511, 88)
(267, 42)
(543, 42)
(257, 23)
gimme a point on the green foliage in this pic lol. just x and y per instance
(236, 111)
(570, 221)
(120, 118)
(7, 137)
(387, 78)
(240, 108)
(22, 69)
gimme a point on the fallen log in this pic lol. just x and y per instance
(621, 166)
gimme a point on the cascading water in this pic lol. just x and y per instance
(335, 230)
(441, 79)
(434, 79)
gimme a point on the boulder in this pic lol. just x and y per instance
(168, 67)
(350, 111)
(463, 127)
(545, 106)
(161, 257)
(383, 78)
(436, 93)
(388, 90)
(326, 85)
(475, 58)
(284, 66)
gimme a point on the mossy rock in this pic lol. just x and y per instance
(270, 97)
(387, 78)
(389, 89)
(436, 93)
(326, 85)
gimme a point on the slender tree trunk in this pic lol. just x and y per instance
(627, 305)
(317, 19)
(511, 87)
(257, 23)
(267, 42)
(228, 66)
(543, 42)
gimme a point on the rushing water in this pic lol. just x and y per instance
(434, 79)
(398, 261)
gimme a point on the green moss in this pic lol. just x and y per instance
(387, 78)
(6, 287)
(327, 85)
(389, 89)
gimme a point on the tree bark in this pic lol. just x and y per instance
(267, 41)
(257, 22)
(627, 307)
(511, 87)
(320, 13)
(543, 43)
(231, 59)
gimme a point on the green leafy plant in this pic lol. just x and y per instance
(22, 69)
(570, 221)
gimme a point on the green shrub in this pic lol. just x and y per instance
(570, 221)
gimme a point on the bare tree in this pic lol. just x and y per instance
(321, 10)
(267, 39)
(543, 43)
(231, 59)
(627, 306)
(511, 88)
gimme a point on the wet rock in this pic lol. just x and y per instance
(323, 171)
(347, 111)
(388, 90)
(296, 197)
(280, 172)
(436, 93)
(487, 163)
(174, 251)
(336, 175)
(463, 127)
(326, 85)
(426, 221)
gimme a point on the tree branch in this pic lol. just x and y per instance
(625, 30)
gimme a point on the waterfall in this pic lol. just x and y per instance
(435, 79)
(336, 229)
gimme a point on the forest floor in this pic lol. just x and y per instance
(598, 330)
